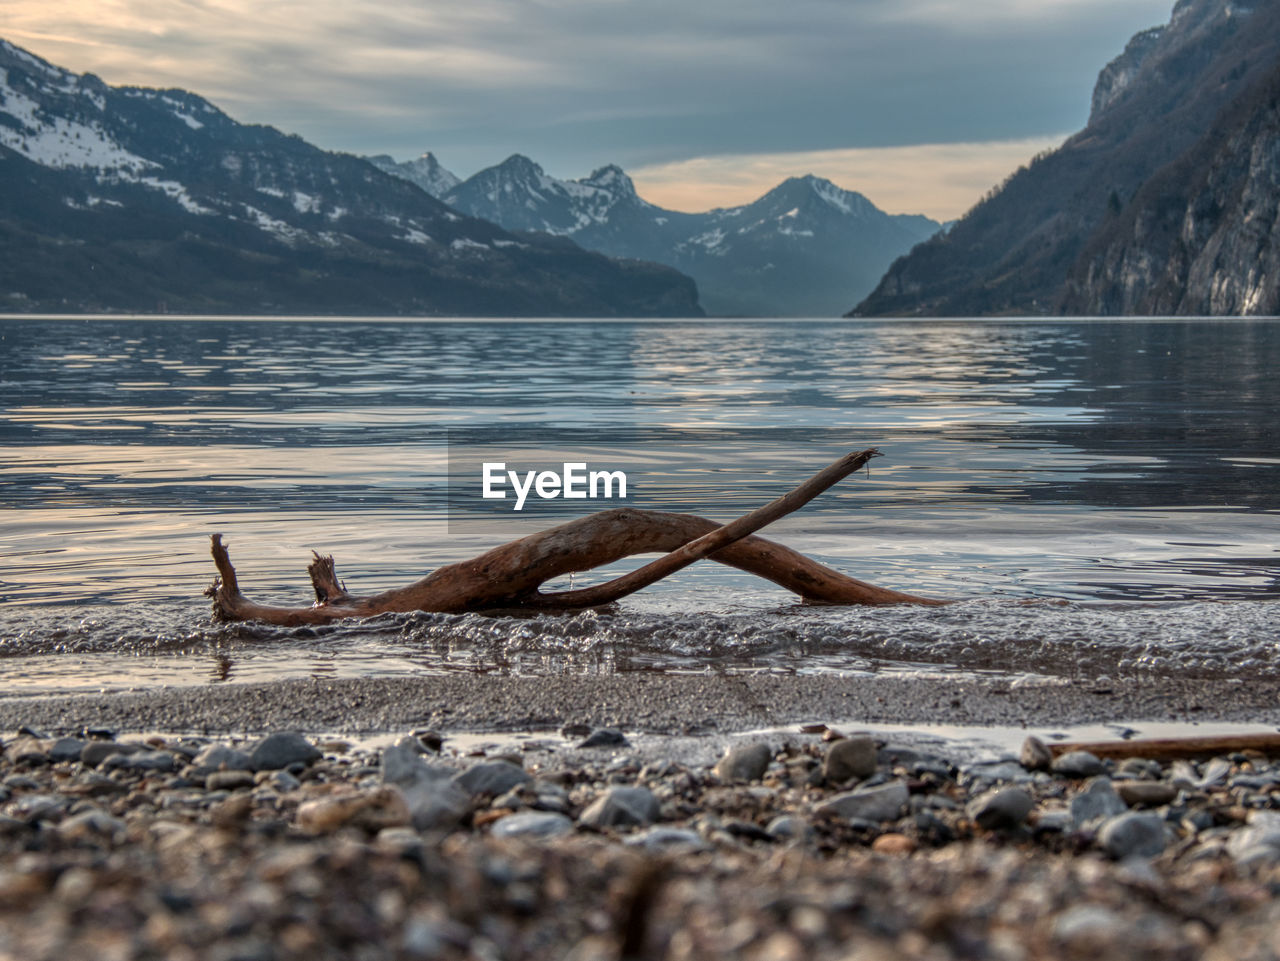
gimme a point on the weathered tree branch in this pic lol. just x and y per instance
(510, 576)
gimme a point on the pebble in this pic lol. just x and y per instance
(1098, 800)
(1146, 793)
(434, 801)
(221, 757)
(605, 737)
(533, 824)
(660, 837)
(1035, 755)
(141, 761)
(95, 752)
(123, 861)
(491, 777)
(852, 757)
(788, 827)
(996, 771)
(281, 750)
(229, 780)
(621, 807)
(1079, 764)
(1260, 836)
(893, 844)
(92, 823)
(1001, 808)
(885, 802)
(66, 749)
(1136, 833)
(372, 811)
(744, 762)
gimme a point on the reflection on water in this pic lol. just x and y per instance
(1129, 461)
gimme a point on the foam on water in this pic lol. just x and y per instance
(49, 650)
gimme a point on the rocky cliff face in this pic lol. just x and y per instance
(1201, 238)
(1154, 145)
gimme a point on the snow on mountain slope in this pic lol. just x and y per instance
(134, 198)
(801, 249)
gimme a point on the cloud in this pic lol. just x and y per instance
(939, 180)
(577, 83)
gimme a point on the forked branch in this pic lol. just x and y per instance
(511, 576)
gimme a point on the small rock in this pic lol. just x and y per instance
(95, 752)
(1035, 755)
(221, 757)
(491, 777)
(621, 807)
(885, 802)
(852, 757)
(434, 800)
(605, 737)
(1134, 833)
(659, 838)
(1055, 821)
(533, 824)
(1002, 808)
(997, 771)
(1088, 928)
(432, 740)
(228, 780)
(745, 762)
(1263, 831)
(91, 824)
(1079, 764)
(1141, 767)
(893, 844)
(372, 811)
(232, 813)
(1146, 793)
(282, 781)
(141, 761)
(27, 750)
(281, 750)
(1215, 771)
(788, 827)
(1098, 800)
(66, 749)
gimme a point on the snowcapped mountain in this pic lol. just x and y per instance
(797, 250)
(425, 171)
(125, 198)
(800, 250)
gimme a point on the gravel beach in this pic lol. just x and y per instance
(378, 819)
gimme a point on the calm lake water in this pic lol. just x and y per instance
(1130, 469)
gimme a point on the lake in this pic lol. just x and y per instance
(1127, 469)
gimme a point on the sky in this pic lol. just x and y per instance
(922, 105)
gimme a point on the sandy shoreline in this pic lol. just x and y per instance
(645, 703)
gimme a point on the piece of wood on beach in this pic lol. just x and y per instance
(1174, 748)
(510, 576)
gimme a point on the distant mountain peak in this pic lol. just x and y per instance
(425, 171)
(612, 178)
(131, 198)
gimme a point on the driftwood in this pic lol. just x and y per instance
(1174, 748)
(510, 576)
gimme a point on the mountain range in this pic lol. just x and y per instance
(1165, 203)
(805, 248)
(135, 199)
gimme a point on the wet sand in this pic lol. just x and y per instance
(644, 703)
